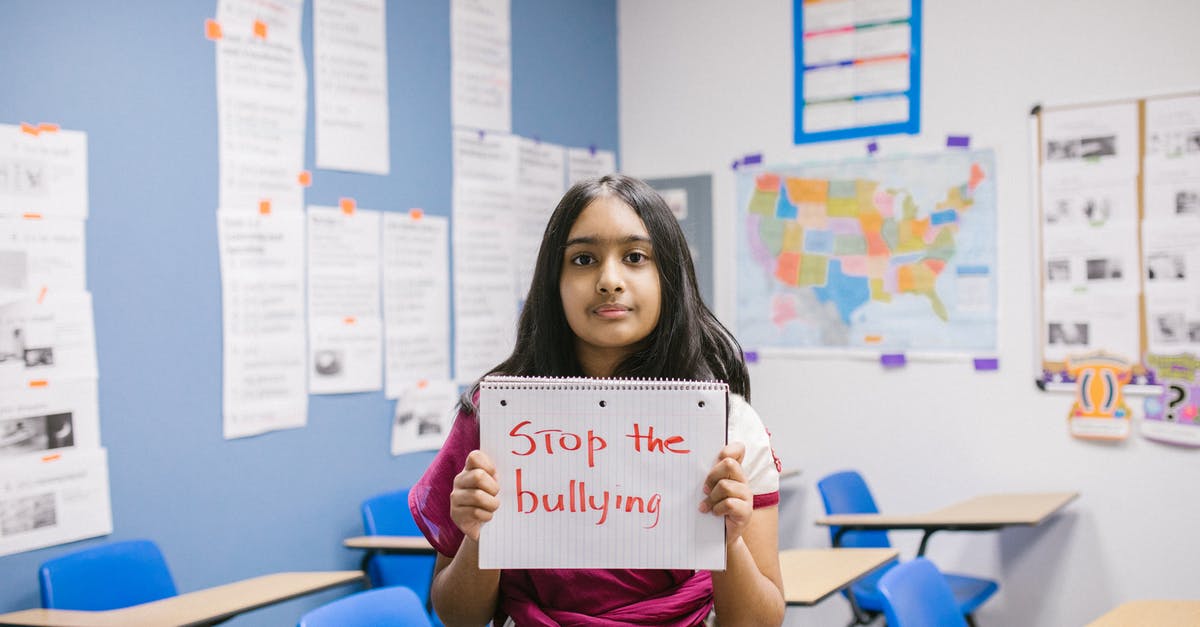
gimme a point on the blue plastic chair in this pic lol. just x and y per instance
(382, 607)
(847, 493)
(915, 594)
(106, 577)
(387, 514)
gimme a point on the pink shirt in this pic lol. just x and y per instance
(549, 597)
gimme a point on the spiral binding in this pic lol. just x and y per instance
(505, 382)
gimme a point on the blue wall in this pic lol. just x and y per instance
(139, 78)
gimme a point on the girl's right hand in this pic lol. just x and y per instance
(473, 500)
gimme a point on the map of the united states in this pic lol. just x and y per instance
(851, 241)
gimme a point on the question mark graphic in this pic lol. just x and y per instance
(1180, 396)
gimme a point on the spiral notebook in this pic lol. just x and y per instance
(602, 473)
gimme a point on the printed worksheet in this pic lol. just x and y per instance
(43, 171)
(485, 305)
(345, 329)
(541, 173)
(416, 299)
(351, 89)
(42, 254)
(424, 413)
(47, 339)
(52, 499)
(49, 419)
(481, 64)
(589, 163)
(262, 104)
(262, 304)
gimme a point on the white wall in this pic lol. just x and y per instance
(705, 81)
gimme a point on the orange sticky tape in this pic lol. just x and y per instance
(29, 128)
(42, 295)
(873, 339)
(264, 207)
(38, 383)
(47, 127)
(348, 320)
(212, 29)
(422, 384)
(31, 216)
(305, 178)
(51, 458)
(416, 214)
(260, 29)
(347, 205)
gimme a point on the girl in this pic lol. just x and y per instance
(614, 294)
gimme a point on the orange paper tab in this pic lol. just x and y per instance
(47, 127)
(51, 458)
(305, 178)
(212, 29)
(38, 383)
(422, 384)
(42, 295)
(347, 205)
(416, 214)
(31, 216)
(264, 207)
(349, 320)
(260, 29)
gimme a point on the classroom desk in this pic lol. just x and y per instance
(389, 545)
(982, 513)
(202, 607)
(1156, 613)
(811, 575)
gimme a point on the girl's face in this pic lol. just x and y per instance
(609, 284)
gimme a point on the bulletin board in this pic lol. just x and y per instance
(1117, 194)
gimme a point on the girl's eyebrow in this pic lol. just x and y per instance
(593, 240)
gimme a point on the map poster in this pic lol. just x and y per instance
(892, 255)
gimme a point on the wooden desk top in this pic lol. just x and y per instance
(1156, 613)
(811, 575)
(391, 544)
(982, 512)
(201, 607)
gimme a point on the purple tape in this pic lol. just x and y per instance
(893, 360)
(958, 141)
(481, 134)
(592, 150)
(751, 357)
(872, 148)
(753, 159)
(987, 363)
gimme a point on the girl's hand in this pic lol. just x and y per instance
(728, 493)
(473, 500)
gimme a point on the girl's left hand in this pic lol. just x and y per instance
(728, 492)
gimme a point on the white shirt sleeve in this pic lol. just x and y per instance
(760, 464)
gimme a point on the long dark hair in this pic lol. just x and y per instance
(687, 343)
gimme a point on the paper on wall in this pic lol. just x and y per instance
(52, 499)
(416, 300)
(351, 94)
(43, 171)
(424, 414)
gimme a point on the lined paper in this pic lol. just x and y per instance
(602, 473)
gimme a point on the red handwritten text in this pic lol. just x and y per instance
(566, 441)
(653, 443)
(577, 500)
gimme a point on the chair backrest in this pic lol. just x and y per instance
(915, 594)
(388, 515)
(396, 606)
(106, 577)
(847, 493)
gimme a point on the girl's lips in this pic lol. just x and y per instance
(611, 311)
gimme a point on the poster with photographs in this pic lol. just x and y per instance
(1119, 219)
(52, 499)
(424, 413)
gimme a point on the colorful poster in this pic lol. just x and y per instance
(870, 255)
(857, 68)
(1174, 416)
